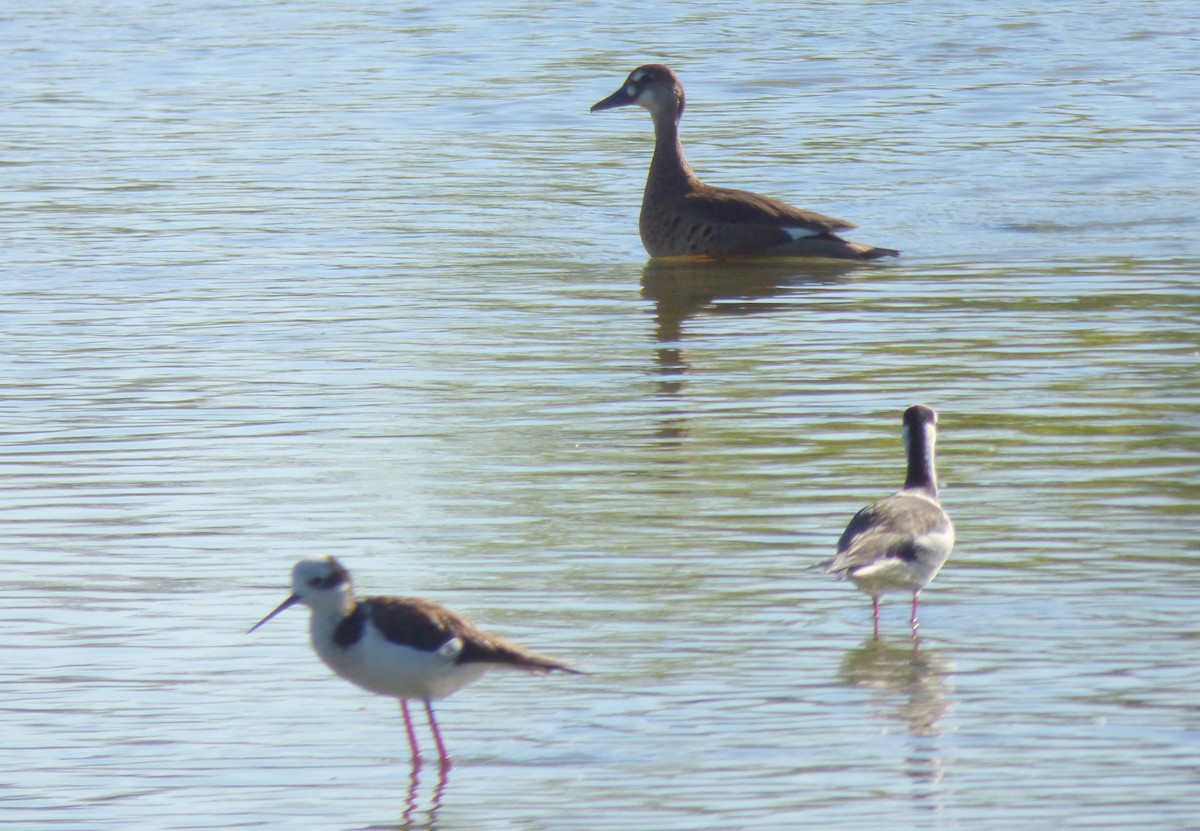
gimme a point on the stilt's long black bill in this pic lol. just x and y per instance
(291, 601)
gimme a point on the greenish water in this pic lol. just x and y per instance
(283, 279)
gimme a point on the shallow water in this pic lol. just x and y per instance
(283, 279)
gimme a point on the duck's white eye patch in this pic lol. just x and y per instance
(637, 76)
(631, 90)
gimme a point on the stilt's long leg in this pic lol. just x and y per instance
(875, 608)
(914, 621)
(412, 734)
(443, 756)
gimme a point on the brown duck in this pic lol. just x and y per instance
(682, 216)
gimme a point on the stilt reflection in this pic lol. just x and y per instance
(913, 687)
(412, 818)
(910, 685)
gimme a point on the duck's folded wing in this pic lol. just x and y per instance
(730, 205)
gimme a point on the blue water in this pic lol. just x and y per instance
(295, 278)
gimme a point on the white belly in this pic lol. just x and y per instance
(894, 574)
(380, 666)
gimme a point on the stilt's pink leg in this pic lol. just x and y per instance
(875, 608)
(914, 621)
(412, 735)
(443, 756)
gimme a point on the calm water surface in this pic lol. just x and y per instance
(286, 278)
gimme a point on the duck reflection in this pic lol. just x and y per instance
(910, 685)
(682, 287)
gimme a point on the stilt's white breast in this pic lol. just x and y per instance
(386, 668)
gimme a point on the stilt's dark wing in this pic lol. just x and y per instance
(423, 624)
(888, 528)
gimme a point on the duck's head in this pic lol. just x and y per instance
(319, 583)
(652, 87)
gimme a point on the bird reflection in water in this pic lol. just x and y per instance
(412, 819)
(684, 287)
(912, 687)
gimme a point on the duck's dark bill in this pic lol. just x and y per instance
(620, 98)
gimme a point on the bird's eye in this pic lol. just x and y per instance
(315, 582)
